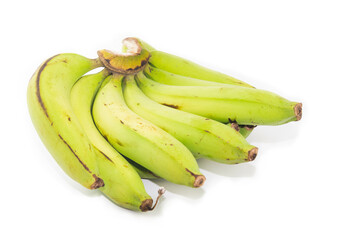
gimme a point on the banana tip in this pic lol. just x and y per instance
(298, 111)
(146, 205)
(252, 154)
(199, 181)
(98, 183)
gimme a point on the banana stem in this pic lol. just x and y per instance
(146, 205)
(132, 46)
(161, 191)
(97, 63)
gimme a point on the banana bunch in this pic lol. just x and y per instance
(145, 114)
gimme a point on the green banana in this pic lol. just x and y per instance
(48, 98)
(210, 78)
(122, 183)
(246, 106)
(142, 141)
(148, 114)
(143, 172)
(184, 67)
(202, 136)
(167, 78)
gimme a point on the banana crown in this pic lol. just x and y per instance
(129, 62)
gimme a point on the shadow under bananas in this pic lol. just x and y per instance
(185, 191)
(274, 134)
(228, 170)
(82, 189)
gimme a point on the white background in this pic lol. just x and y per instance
(304, 183)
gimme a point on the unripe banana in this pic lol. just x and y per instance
(246, 106)
(167, 78)
(142, 141)
(202, 136)
(148, 113)
(143, 172)
(210, 78)
(164, 77)
(122, 183)
(48, 98)
(184, 67)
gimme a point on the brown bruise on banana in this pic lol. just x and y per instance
(199, 179)
(248, 127)
(98, 181)
(131, 62)
(171, 105)
(236, 126)
(106, 156)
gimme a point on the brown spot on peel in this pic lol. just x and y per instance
(298, 111)
(235, 126)
(98, 182)
(171, 105)
(106, 156)
(199, 179)
(231, 121)
(252, 154)
(247, 127)
(119, 143)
